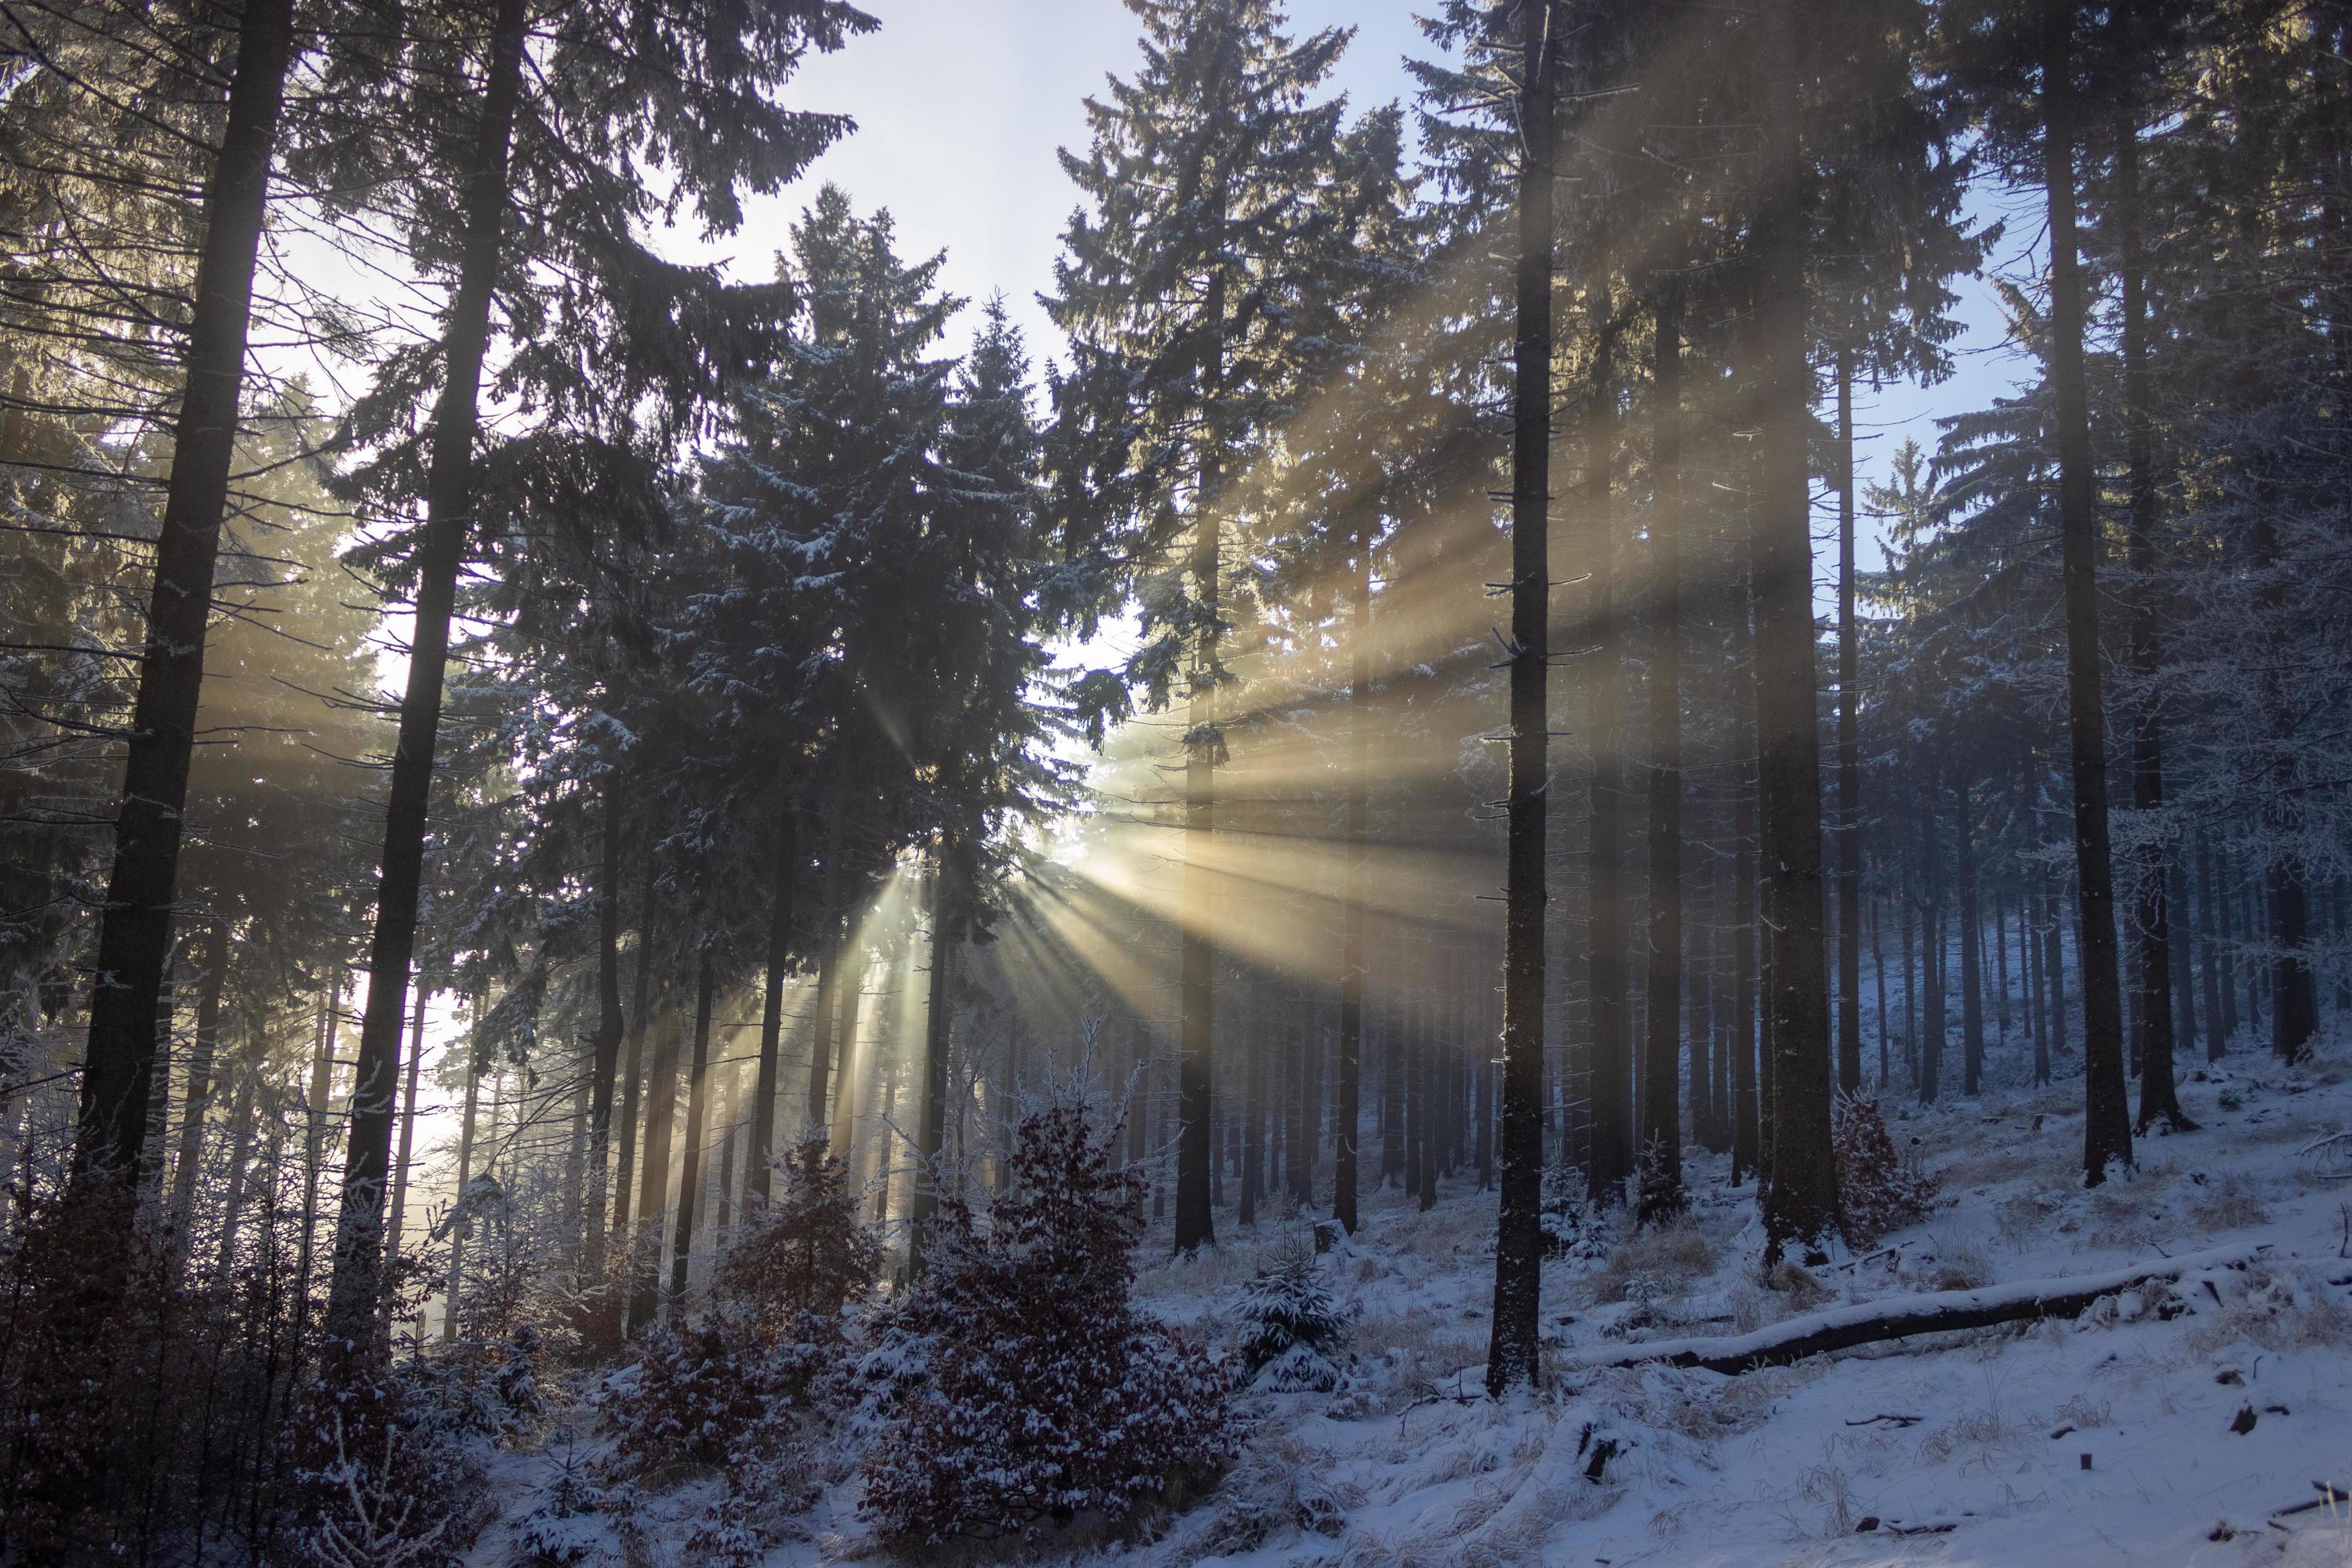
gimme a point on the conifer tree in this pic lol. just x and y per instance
(1198, 231)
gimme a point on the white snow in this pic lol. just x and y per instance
(2110, 1438)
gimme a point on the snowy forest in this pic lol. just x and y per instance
(1373, 879)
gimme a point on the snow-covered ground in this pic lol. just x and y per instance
(2173, 1424)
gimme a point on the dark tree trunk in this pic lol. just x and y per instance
(633, 1076)
(134, 932)
(408, 1126)
(1662, 1140)
(1609, 1084)
(2221, 1004)
(1351, 928)
(202, 1077)
(689, 1176)
(831, 941)
(1204, 746)
(448, 507)
(661, 1109)
(601, 1301)
(2106, 1124)
(939, 1034)
(1972, 1038)
(1747, 1091)
(460, 1228)
(1849, 754)
(767, 1084)
(1513, 1350)
(1934, 1023)
(1800, 1203)
(2159, 1097)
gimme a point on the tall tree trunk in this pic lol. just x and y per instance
(1609, 1087)
(134, 932)
(1661, 1133)
(1800, 1203)
(461, 1227)
(1351, 928)
(661, 1110)
(831, 943)
(783, 878)
(1204, 750)
(939, 1024)
(203, 1057)
(2159, 1097)
(2106, 1123)
(633, 1065)
(1746, 1092)
(407, 1128)
(449, 501)
(604, 1064)
(2220, 1011)
(689, 1178)
(1512, 1352)
(1935, 1021)
(1849, 754)
(1972, 1038)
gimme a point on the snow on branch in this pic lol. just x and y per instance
(1897, 1317)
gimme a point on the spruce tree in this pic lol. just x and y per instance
(1198, 230)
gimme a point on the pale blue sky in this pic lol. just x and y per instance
(961, 103)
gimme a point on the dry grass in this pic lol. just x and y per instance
(2277, 1313)
(2230, 1203)
(1659, 1263)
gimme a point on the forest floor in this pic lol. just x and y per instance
(2166, 1426)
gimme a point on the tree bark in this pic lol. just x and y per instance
(1801, 1202)
(689, 1179)
(1513, 1350)
(203, 1058)
(2159, 1096)
(772, 1008)
(448, 505)
(1351, 928)
(939, 1023)
(1661, 1133)
(1849, 754)
(1609, 1087)
(2106, 1124)
(460, 1228)
(633, 1065)
(1972, 1037)
(661, 1110)
(134, 933)
(407, 1128)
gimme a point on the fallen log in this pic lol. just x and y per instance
(1900, 1317)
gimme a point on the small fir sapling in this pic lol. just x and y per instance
(1291, 1327)
(709, 1394)
(1878, 1191)
(800, 1263)
(1032, 1390)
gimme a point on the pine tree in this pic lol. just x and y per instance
(1198, 234)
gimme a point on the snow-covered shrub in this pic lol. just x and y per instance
(710, 1394)
(371, 1478)
(799, 1260)
(1567, 1213)
(1033, 1390)
(574, 1518)
(1291, 1325)
(1659, 1263)
(1878, 1191)
(1274, 1494)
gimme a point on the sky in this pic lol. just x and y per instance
(961, 104)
